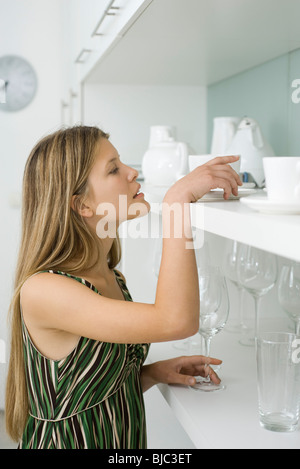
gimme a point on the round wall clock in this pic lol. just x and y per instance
(20, 82)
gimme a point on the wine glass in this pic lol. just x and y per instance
(214, 309)
(188, 344)
(289, 292)
(193, 344)
(257, 272)
(230, 271)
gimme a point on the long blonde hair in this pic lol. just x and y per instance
(53, 236)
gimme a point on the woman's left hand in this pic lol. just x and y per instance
(179, 370)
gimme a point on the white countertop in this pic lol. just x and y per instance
(223, 419)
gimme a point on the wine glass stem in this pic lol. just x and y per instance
(240, 305)
(207, 341)
(257, 304)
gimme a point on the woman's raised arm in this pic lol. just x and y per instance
(54, 302)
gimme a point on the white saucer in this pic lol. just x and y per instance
(218, 194)
(263, 204)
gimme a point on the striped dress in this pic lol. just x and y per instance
(92, 399)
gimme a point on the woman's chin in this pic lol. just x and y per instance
(138, 209)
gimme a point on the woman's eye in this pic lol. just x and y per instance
(114, 171)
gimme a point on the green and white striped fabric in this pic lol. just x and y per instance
(91, 399)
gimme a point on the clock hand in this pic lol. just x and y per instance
(3, 86)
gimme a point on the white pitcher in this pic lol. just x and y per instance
(165, 162)
(160, 133)
(250, 143)
(223, 133)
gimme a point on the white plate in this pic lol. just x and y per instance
(218, 194)
(263, 204)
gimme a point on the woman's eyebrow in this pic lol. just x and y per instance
(112, 160)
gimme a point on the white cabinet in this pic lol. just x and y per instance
(174, 42)
(199, 42)
(94, 26)
(90, 28)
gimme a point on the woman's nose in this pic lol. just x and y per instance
(132, 173)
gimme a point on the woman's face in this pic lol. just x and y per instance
(113, 188)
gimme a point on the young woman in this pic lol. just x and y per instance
(76, 373)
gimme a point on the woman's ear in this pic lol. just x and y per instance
(80, 208)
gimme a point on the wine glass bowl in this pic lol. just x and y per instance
(214, 310)
(257, 270)
(257, 273)
(213, 314)
(235, 322)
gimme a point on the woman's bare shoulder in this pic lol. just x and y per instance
(41, 285)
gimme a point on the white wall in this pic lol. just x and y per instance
(110, 107)
(32, 29)
(126, 112)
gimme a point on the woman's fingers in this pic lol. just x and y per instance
(213, 375)
(223, 160)
(190, 380)
(225, 170)
(222, 170)
(198, 365)
(184, 369)
(216, 173)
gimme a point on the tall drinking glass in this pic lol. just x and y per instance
(278, 378)
(214, 309)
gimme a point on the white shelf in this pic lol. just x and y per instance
(224, 419)
(278, 234)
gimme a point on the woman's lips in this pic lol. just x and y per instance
(137, 196)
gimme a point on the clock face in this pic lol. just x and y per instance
(20, 82)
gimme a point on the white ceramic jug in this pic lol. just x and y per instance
(223, 133)
(160, 133)
(165, 162)
(251, 145)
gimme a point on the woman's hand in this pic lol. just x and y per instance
(216, 173)
(180, 370)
